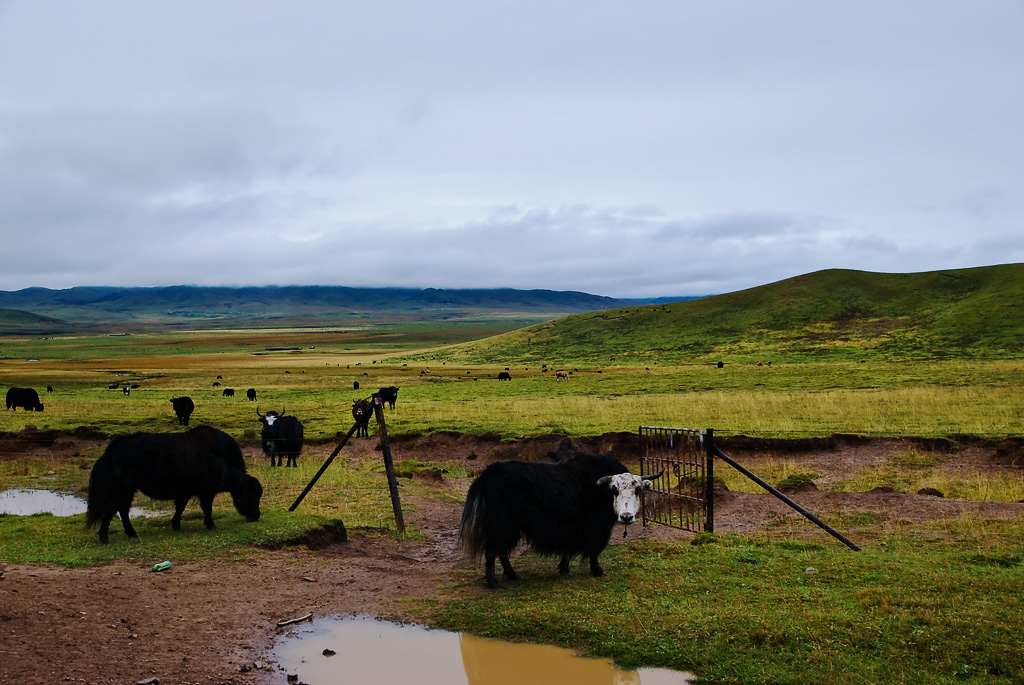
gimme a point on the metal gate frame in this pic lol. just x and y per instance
(680, 497)
(683, 495)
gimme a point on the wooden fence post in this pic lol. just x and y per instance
(396, 503)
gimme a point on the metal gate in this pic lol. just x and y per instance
(679, 497)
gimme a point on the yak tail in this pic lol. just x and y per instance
(99, 491)
(471, 527)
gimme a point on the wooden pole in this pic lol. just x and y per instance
(323, 468)
(808, 515)
(396, 503)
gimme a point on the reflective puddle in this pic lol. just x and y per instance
(361, 650)
(28, 502)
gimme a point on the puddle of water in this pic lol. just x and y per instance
(369, 652)
(27, 502)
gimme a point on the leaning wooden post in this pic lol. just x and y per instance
(396, 503)
(808, 515)
(323, 468)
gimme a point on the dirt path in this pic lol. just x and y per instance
(210, 622)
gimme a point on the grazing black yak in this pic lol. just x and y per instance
(565, 509)
(26, 398)
(173, 466)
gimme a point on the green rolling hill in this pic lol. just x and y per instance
(826, 315)
(16, 321)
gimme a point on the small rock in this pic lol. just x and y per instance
(148, 681)
(244, 668)
(293, 677)
(810, 569)
(329, 652)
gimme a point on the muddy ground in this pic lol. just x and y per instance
(215, 622)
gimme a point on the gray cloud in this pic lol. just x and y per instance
(666, 149)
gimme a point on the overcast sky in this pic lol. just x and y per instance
(629, 149)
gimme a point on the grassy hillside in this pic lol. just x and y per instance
(15, 321)
(836, 314)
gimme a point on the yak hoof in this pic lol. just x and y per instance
(596, 571)
(493, 583)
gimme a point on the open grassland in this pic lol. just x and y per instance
(937, 602)
(311, 374)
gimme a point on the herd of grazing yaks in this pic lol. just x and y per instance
(201, 462)
(565, 509)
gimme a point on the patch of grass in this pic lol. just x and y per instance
(796, 480)
(778, 472)
(969, 485)
(737, 611)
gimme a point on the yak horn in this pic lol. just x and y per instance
(653, 476)
(262, 416)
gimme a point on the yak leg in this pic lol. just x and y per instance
(126, 522)
(105, 525)
(179, 508)
(492, 580)
(293, 461)
(563, 565)
(206, 502)
(506, 567)
(595, 568)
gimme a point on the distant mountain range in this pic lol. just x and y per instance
(44, 311)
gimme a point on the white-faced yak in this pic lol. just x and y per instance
(565, 509)
(170, 466)
(362, 410)
(282, 437)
